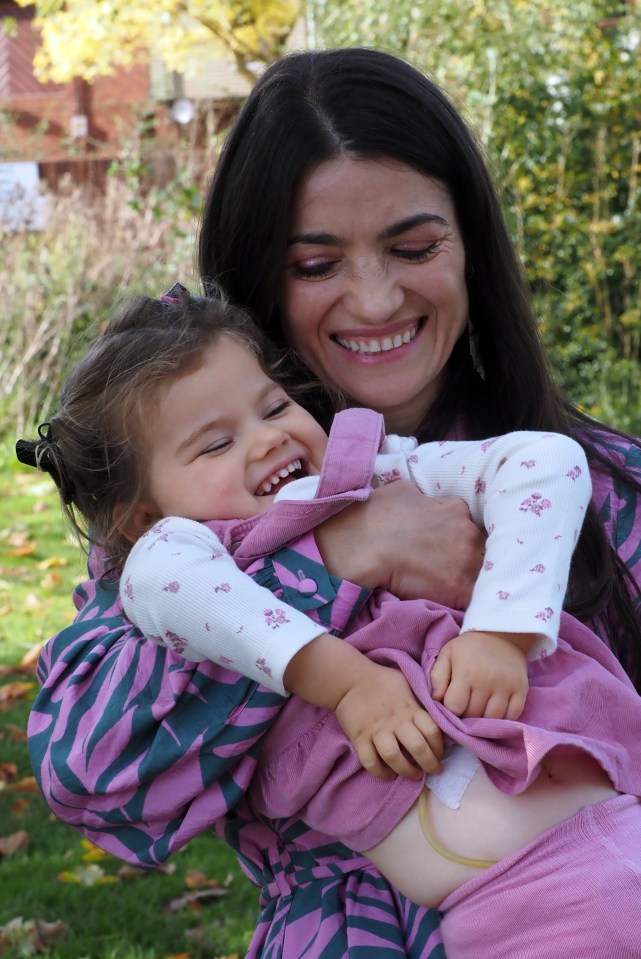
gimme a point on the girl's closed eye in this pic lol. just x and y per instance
(280, 406)
(218, 446)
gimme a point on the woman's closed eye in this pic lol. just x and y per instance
(314, 270)
(420, 255)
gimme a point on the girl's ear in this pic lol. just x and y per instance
(132, 523)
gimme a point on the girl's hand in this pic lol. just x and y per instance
(374, 705)
(388, 727)
(415, 546)
(483, 674)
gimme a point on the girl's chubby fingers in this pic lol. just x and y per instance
(477, 704)
(423, 741)
(516, 705)
(441, 674)
(457, 698)
(389, 750)
(497, 707)
(371, 761)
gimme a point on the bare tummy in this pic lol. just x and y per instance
(488, 825)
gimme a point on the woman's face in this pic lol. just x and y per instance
(374, 294)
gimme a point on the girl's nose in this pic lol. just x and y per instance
(373, 294)
(267, 439)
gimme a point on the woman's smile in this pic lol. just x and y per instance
(390, 342)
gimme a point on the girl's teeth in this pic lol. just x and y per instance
(274, 480)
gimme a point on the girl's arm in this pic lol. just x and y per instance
(530, 491)
(140, 749)
(183, 590)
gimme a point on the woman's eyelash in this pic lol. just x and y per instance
(312, 272)
(417, 255)
(320, 270)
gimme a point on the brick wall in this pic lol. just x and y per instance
(36, 118)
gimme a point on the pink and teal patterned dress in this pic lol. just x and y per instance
(142, 750)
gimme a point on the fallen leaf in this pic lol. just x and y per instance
(6, 670)
(19, 807)
(28, 937)
(135, 872)
(92, 853)
(8, 772)
(11, 693)
(5, 610)
(51, 562)
(17, 734)
(198, 880)
(27, 784)
(27, 549)
(16, 842)
(30, 658)
(89, 875)
(51, 580)
(193, 899)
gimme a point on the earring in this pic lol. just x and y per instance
(477, 362)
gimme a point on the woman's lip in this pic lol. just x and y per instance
(388, 342)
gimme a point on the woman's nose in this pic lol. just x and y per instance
(373, 294)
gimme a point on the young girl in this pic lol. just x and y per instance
(153, 423)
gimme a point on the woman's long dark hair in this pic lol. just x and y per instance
(312, 107)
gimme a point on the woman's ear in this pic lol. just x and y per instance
(132, 522)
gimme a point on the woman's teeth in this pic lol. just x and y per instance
(378, 346)
(274, 480)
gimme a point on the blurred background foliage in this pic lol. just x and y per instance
(552, 90)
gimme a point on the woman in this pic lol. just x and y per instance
(352, 212)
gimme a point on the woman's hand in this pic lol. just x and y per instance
(416, 546)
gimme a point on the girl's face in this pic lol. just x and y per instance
(224, 439)
(374, 294)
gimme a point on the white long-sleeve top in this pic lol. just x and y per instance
(528, 490)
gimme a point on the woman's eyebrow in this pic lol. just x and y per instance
(395, 229)
(323, 239)
(409, 222)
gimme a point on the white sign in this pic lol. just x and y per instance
(21, 205)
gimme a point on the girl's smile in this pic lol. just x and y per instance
(224, 439)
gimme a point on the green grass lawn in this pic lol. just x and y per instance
(62, 898)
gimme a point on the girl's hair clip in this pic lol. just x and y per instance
(175, 294)
(44, 455)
